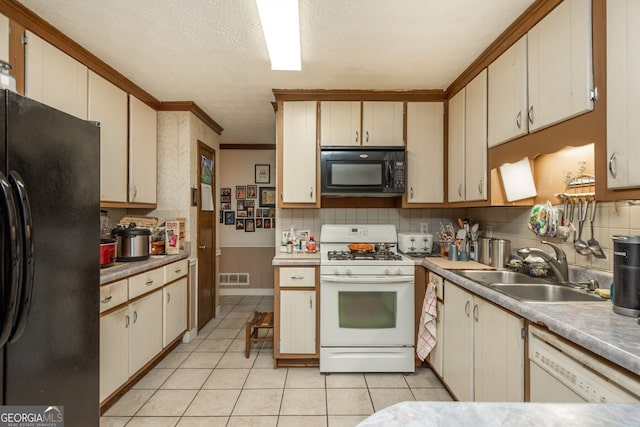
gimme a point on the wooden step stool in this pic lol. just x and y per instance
(260, 320)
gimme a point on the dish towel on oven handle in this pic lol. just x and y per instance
(427, 328)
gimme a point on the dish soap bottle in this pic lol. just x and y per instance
(311, 245)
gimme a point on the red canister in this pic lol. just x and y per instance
(107, 252)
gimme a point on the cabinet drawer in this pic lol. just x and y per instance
(145, 282)
(297, 276)
(438, 281)
(113, 294)
(175, 270)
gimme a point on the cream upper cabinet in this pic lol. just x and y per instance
(507, 95)
(425, 152)
(54, 78)
(4, 38)
(108, 105)
(560, 65)
(456, 158)
(299, 154)
(475, 141)
(382, 123)
(340, 123)
(143, 122)
(468, 142)
(623, 93)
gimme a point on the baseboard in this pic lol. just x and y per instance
(190, 335)
(236, 291)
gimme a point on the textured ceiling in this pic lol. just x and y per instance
(212, 52)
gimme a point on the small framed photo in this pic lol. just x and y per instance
(249, 203)
(268, 197)
(229, 218)
(221, 216)
(241, 214)
(302, 234)
(252, 191)
(225, 192)
(258, 222)
(263, 174)
(265, 212)
(225, 206)
(273, 222)
(258, 213)
(250, 211)
(239, 224)
(225, 199)
(266, 222)
(241, 191)
(240, 206)
(249, 226)
(272, 213)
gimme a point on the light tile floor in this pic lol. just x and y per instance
(209, 382)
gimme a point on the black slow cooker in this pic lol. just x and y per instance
(132, 243)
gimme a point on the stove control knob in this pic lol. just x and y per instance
(398, 272)
(347, 271)
(336, 271)
(387, 271)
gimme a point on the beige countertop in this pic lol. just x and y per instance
(121, 270)
(301, 258)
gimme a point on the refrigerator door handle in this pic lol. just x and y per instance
(28, 260)
(11, 280)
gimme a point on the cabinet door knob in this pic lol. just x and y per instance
(128, 319)
(519, 120)
(106, 300)
(480, 187)
(460, 190)
(475, 312)
(367, 137)
(612, 161)
(411, 192)
(311, 193)
(466, 308)
(168, 297)
(357, 136)
(531, 114)
(201, 247)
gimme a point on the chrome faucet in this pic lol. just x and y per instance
(558, 264)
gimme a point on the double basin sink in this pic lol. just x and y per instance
(529, 289)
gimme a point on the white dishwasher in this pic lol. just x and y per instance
(560, 372)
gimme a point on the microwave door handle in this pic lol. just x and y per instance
(389, 173)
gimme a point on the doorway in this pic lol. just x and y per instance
(206, 234)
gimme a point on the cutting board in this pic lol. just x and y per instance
(459, 265)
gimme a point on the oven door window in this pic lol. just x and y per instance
(367, 310)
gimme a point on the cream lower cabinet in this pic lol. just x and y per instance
(297, 322)
(146, 331)
(436, 357)
(114, 351)
(174, 310)
(483, 349)
(296, 313)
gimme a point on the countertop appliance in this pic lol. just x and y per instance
(362, 171)
(561, 373)
(107, 252)
(50, 192)
(415, 243)
(366, 301)
(626, 275)
(132, 242)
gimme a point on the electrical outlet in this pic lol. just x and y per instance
(424, 227)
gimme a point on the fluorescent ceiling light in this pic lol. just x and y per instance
(280, 24)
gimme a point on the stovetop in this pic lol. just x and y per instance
(362, 255)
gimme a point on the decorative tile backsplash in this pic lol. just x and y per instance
(507, 222)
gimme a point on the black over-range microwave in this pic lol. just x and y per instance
(360, 171)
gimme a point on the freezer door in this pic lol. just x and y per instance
(55, 360)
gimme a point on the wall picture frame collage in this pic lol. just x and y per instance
(254, 205)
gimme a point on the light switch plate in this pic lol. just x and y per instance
(424, 227)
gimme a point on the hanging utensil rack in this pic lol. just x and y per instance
(579, 188)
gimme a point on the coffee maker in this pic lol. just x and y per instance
(626, 275)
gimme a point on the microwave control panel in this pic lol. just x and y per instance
(398, 175)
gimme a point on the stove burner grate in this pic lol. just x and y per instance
(349, 255)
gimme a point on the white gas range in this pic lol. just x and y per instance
(366, 301)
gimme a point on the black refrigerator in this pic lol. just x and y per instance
(49, 225)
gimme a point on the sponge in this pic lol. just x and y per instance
(604, 293)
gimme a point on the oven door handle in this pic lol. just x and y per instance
(362, 279)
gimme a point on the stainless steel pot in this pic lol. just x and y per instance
(132, 243)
